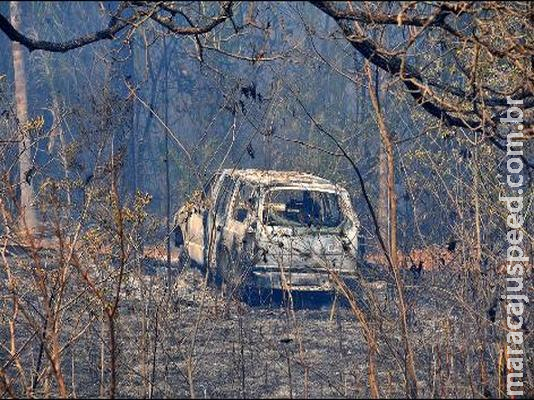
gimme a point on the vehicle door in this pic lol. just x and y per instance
(243, 209)
(196, 238)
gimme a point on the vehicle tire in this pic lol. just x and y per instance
(229, 274)
(184, 261)
(222, 261)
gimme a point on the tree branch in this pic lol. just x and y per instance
(226, 12)
(409, 76)
(114, 27)
(116, 24)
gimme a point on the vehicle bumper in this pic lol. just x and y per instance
(273, 277)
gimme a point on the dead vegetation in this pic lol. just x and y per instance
(120, 113)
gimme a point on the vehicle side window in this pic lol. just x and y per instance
(245, 203)
(224, 197)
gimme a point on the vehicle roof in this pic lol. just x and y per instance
(279, 178)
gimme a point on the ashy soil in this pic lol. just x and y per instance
(191, 340)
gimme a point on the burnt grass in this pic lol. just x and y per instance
(195, 340)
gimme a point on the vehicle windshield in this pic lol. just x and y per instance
(302, 208)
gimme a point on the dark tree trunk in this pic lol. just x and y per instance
(387, 143)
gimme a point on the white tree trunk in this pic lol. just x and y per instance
(28, 210)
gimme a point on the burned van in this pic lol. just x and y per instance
(271, 229)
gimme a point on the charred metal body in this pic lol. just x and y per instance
(271, 229)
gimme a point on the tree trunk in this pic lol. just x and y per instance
(57, 121)
(383, 202)
(28, 211)
(383, 196)
(476, 200)
(167, 165)
(387, 143)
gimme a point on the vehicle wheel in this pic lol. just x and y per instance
(183, 260)
(221, 264)
(229, 274)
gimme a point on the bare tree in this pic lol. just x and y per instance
(387, 143)
(470, 103)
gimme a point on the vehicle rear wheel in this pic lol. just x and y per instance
(222, 263)
(231, 274)
(184, 261)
